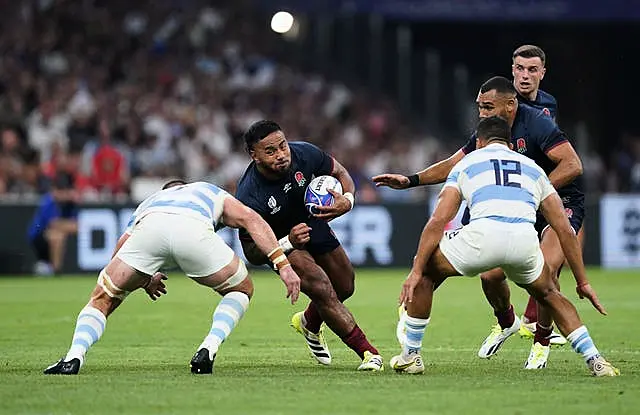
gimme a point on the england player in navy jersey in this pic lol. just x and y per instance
(537, 137)
(528, 70)
(274, 185)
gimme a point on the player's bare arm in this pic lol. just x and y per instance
(568, 165)
(434, 174)
(236, 215)
(298, 237)
(446, 208)
(553, 211)
(343, 203)
(253, 253)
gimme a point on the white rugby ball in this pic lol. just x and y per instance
(317, 193)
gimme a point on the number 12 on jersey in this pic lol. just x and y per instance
(505, 168)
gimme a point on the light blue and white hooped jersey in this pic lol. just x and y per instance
(199, 200)
(500, 184)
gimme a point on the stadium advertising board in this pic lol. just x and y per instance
(620, 231)
(372, 235)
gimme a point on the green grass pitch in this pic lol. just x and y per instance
(141, 363)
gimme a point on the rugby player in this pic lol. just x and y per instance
(175, 226)
(503, 190)
(274, 185)
(528, 69)
(536, 136)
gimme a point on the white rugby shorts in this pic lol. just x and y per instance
(485, 244)
(163, 240)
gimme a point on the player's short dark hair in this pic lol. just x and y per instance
(173, 183)
(501, 84)
(530, 51)
(494, 128)
(259, 130)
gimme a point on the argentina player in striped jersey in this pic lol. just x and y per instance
(504, 191)
(176, 227)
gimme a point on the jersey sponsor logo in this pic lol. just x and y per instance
(521, 145)
(569, 212)
(300, 179)
(286, 187)
(273, 205)
(546, 112)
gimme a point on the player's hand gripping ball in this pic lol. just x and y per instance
(317, 193)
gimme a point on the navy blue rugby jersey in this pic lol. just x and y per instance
(281, 202)
(544, 102)
(534, 134)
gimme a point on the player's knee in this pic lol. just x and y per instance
(554, 262)
(101, 301)
(238, 281)
(110, 289)
(548, 297)
(249, 289)
(493, 276)
(245, 287)
(345, 289)
(318, 287)
(544, 294)
(107, 296)
(345, 292)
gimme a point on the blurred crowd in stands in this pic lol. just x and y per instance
(112, 96)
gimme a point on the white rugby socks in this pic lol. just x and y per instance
(89, 328)
(414, 330)
(582, 344)
(225, 317)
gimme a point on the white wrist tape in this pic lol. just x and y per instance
(349, 196)
(285, 244)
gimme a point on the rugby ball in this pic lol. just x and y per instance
(317, 193)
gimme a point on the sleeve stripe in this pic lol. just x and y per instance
(453, 177)
(556, 145)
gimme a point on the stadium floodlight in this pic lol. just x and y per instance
(282, 22)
